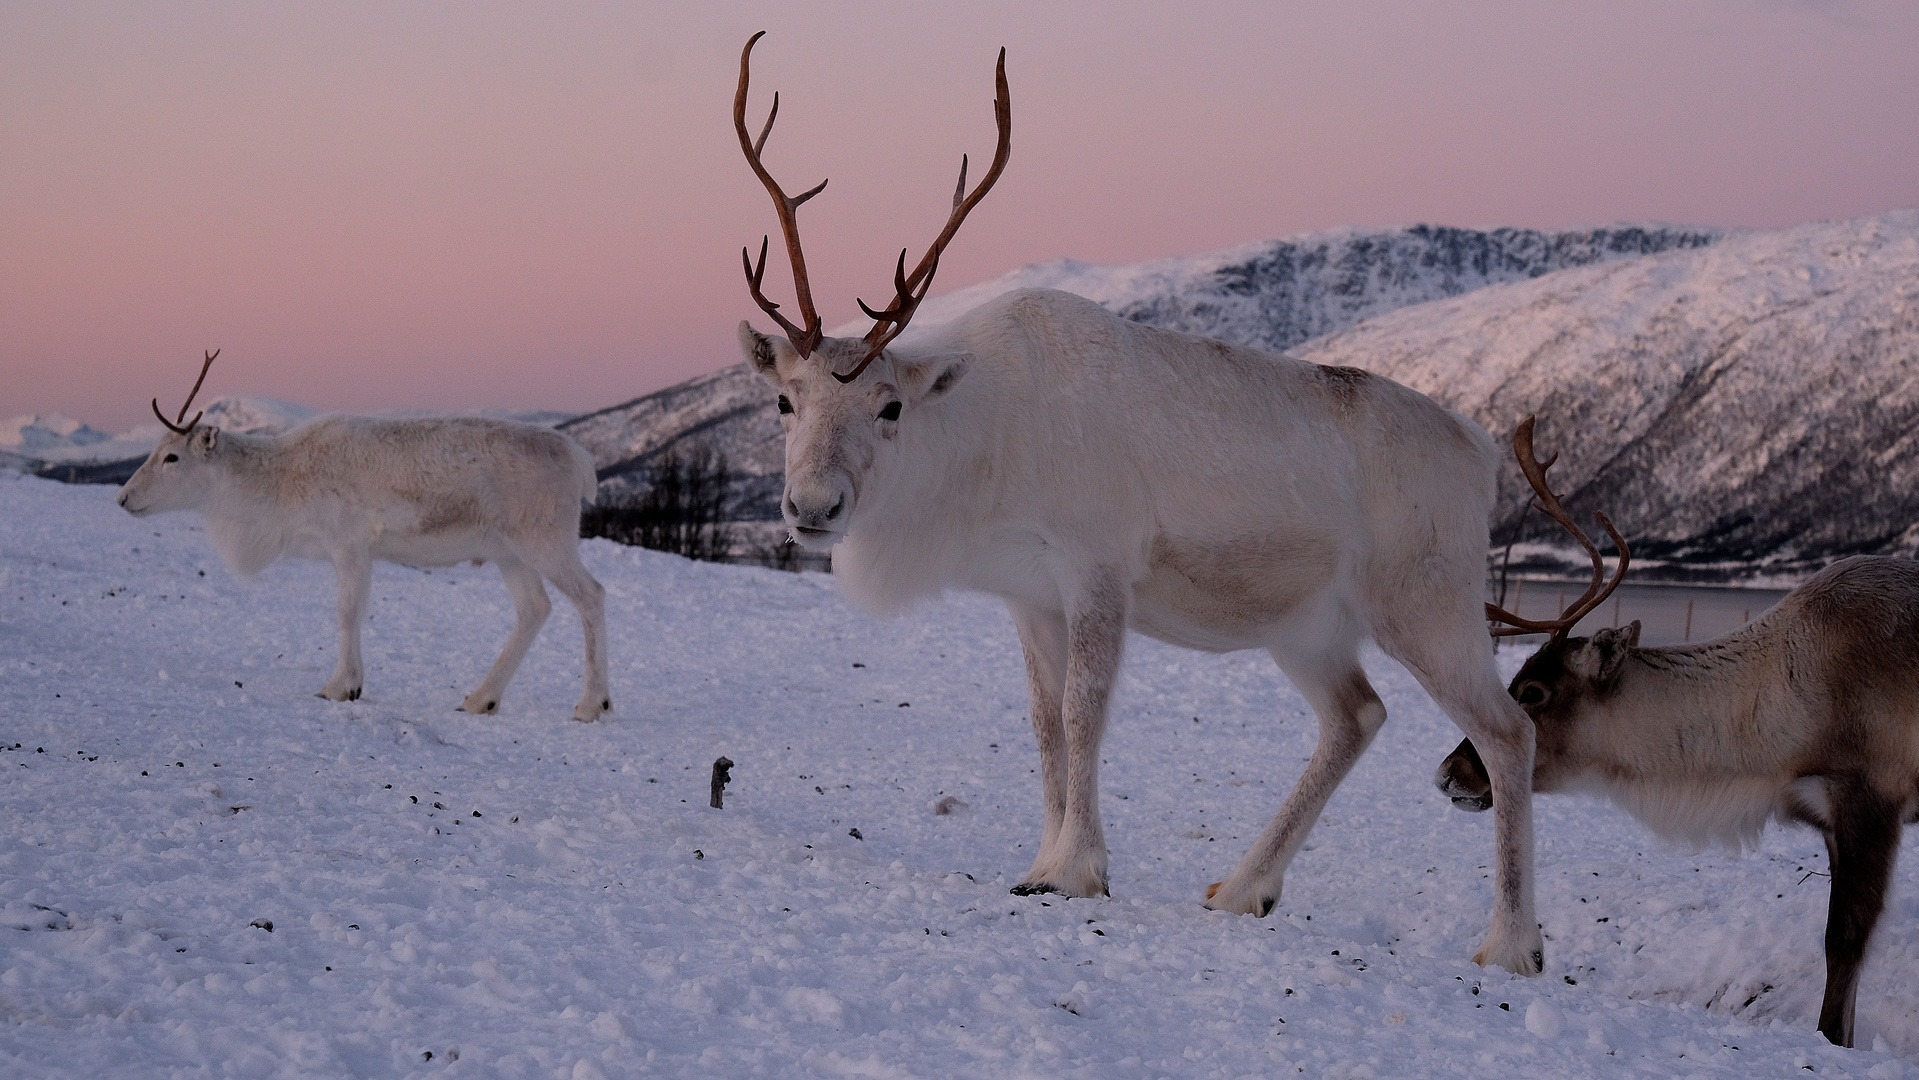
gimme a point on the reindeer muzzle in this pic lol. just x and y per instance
(1462, 778)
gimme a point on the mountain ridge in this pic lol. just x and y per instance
(1270, 294)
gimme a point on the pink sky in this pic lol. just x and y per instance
(408, 204)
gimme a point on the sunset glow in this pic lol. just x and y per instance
(428, 205)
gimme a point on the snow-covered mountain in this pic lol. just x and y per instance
(1272, 294)
(1748, 408)
(37, 434)
(59, 448)
(728, 412)
(1743, 404)
(63, 449)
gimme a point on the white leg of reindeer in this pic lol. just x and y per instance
(1350, 714)
(1042, 636)
(1456, 669)
(353, 573)
(531, 606)
(563, 568)
(1095, 639)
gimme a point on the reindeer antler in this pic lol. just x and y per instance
(803, 339)
(174, 424)
(1600, 588)
(910, 289)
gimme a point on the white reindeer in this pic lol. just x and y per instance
(427, 492)
(1809, 715)
(1100, 475)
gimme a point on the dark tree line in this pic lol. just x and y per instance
(682, 510)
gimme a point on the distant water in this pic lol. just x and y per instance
(1668, 614)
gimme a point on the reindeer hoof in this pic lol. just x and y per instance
(1528, 962)
(1041, 888)
(1254, 904)
(345, 694)
(476, 703)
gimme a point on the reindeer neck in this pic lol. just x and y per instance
(253, 463)
(1699, 662)
(1686, 707)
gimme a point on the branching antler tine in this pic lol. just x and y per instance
(1003, 118)
(805, 339)
(1587, 606)
(193, 393)
(1597, 592)
(753, 275)
(178, 424)
(900, 295)
(905, 304)
(910, 289)
(760, 142)
(1495, 613)
(805, 195)
(1535, 471)
(170, 426)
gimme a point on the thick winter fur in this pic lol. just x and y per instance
(1100, 475)
(430, 492)
(1808, 715)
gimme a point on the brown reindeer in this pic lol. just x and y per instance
(1809, 715)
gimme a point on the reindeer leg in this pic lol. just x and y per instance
(1454, 664)
(1042, 637)
(1350, 714)
(353, 573)
(1095, 639)
(588, 597)
(1506, 745)
(532, 607)
(1863, 844)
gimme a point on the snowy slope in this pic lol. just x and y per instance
(65, 449)
(727, 412)
(1753, 404)
(1272, 294)
(544, 898)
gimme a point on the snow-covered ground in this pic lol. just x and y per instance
(526, 896)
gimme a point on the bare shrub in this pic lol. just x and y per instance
(682, 510)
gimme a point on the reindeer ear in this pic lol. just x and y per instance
(1613, 645)
(929, 377)
(762, 352)
(206, 438)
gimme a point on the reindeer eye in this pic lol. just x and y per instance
(171, 457)
(786, 407)
(1532, 694)
(891, 412)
